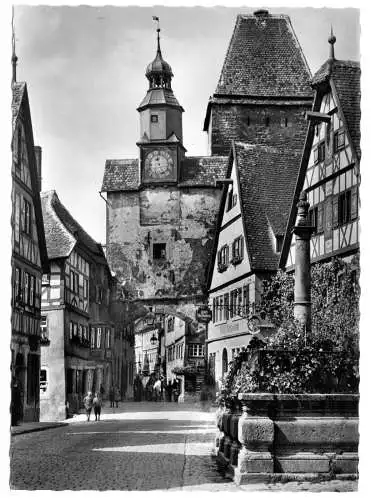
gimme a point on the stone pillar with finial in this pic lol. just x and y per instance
(302, 231)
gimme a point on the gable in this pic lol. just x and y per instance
(230, 227)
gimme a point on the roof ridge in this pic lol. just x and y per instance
(50, 197)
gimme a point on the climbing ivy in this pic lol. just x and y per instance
(326, 359)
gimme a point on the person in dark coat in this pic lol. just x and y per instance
(112, 396)
(117, 396)
(97, 405)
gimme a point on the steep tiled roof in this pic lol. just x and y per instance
(159, 96)
(267, 178)
(121, 175)
(202, 170)
(62, 231)
(18, 89)
(346, 78)
(264, 59)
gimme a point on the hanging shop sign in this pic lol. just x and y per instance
(204, 314)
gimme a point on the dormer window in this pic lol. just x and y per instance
(154, 118)
(279, 242)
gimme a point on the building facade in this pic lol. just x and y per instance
(330, 165)
(79, 335)
(29, 261)
(161, 208)
(263, 87)
(256, 113)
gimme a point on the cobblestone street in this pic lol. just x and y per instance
(139, 446)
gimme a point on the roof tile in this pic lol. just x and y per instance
(264, 58)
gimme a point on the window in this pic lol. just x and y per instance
(223, 258)
(313, 218)
(226, 306)
(43, 380)
(246, 300)
(26, 287)
(231, 200)
(75, 329)
(159, 251)
(339, 140)
(17, 291)
(170, 324)
(99, 337)
(224, 362)
(26, 217)
(31, 295)
(98, 294)
(86, 288)
(237, 250)
(154, 118)
(17, 215)
(344, 207)
(80, 332)
(92, 337)
(44, 327)
(196, 350)
(71, 329)
(279, 242)
(108, 338)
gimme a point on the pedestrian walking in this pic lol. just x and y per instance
(97, 405)
(157, 390)
(112, 397)
(169, 391)
(117, 396)
(88, 403)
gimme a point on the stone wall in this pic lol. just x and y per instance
(248, 123)
(290, 437)
(183, 219)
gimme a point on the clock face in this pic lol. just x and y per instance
(159, 163)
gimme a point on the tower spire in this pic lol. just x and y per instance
(331, 41)
(14, 57)
(157, 19)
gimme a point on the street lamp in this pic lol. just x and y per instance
(153, 339)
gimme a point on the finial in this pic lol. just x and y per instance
(14, 57)
(331, 41)
(303, 208)
(157, 19)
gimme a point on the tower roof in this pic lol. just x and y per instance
(159, 72)
(264, 58)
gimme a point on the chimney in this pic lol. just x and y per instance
(38, 152)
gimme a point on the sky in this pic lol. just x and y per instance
(85, 72)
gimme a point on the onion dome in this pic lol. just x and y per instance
(159, 72)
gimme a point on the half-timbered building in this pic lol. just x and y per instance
(29, 260)
(253, 215)
(76, 297)
(329, 170)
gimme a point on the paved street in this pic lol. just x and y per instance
(139, 446)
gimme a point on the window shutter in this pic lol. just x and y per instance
(320, 218)
(335, 212)
(354, 203)
(315, 155)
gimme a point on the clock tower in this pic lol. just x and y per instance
(161, 134)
